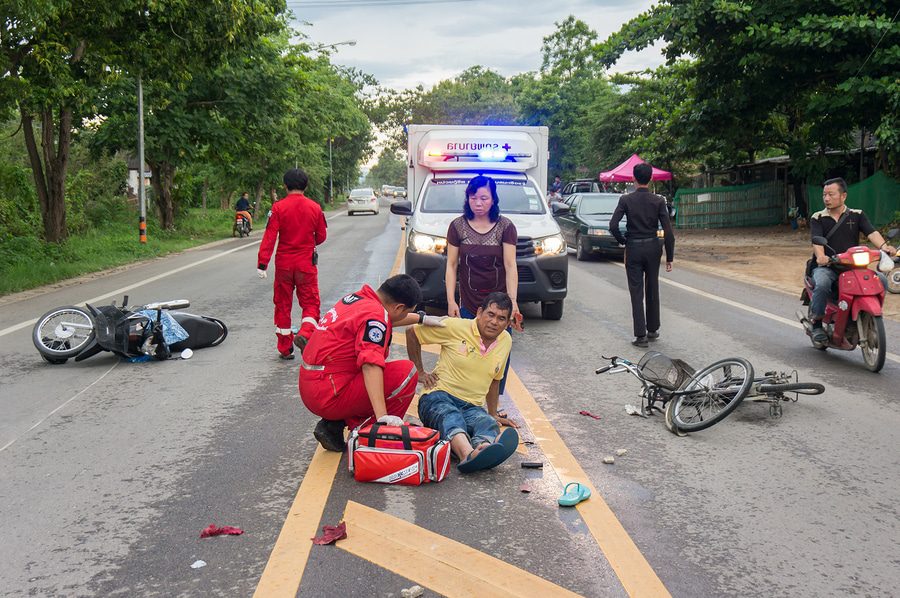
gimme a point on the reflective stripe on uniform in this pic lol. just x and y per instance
(406, 381)
(306, 366)
(284, 331)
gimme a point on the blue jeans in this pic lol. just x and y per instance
(450, 416)
(465, 313)
(823, 281)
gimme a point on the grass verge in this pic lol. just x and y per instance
(26, 263)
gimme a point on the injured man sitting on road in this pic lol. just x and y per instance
(467, 376)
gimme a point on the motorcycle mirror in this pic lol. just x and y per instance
(820, 241)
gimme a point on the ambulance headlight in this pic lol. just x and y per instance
(552, 245)
(422, 243)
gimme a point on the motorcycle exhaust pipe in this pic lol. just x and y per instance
(807, 325)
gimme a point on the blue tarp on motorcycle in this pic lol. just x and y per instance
(173, 332)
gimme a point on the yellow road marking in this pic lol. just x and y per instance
(637, 576)
(287, 562)
(438, 563)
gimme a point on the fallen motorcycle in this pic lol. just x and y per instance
(149, 330)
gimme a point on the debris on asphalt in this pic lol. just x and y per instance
(525, 488)
(589, 414)
(532, 464)
(331, 534)
(632, 410)
(413, 592)
(225, 530)
(609, 460)
(198, 564)
(621, 452)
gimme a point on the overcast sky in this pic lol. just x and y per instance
(407, 42)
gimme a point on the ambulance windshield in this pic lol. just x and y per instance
(516, 196)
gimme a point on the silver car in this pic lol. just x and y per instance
(362, 200)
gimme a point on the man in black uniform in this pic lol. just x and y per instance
(645, 211)
(851, 223)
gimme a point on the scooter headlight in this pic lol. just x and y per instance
(861, 259)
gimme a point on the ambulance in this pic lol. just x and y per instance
(442, 159)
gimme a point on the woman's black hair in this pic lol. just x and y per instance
(474, 185)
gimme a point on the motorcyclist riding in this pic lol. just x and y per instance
(850, 223)
(243, 205)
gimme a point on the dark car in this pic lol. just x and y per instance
(586, 226)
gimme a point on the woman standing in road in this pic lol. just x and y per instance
(481, 254)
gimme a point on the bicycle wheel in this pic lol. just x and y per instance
(711, 394)
(803, 388)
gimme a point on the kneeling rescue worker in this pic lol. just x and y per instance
(345, 377)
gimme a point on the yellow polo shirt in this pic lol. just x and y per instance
(462, 370)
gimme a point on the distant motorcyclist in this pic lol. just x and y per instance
(850, 223)
(243, 205)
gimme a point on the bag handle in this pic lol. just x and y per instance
(404, 433)
(373, 433)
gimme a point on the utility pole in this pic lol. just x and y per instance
(142, 193)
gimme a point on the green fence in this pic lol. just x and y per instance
(757, 204)
(878, 196)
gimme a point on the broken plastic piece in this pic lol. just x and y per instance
(589, 414)
(609, 460)
(525, 488)
(632, 410)
(198, 564)
(331, 534)
(621, 452)
(532, 464)
(225, 530)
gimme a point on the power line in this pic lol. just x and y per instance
(886, 29)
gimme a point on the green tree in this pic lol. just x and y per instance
(803, 75)
(390, 169)
(54, 56)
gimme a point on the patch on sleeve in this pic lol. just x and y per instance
(375, 332)
(350, 299)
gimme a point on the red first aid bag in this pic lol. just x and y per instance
(408, 455)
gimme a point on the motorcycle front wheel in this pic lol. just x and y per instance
(874, 348)
(62, 333)
(893, 278)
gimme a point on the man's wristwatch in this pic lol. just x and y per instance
(421, 315)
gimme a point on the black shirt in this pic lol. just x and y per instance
(645, 212)
(847, 236)
(242, 205)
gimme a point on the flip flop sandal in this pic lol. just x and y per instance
(509, 439)
(570, 498)
(489, 457)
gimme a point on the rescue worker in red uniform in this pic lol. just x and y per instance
(345, 377)
(298, 224)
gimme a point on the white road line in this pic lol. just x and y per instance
(752, 310)
(78, 394)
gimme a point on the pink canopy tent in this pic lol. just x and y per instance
(625, 171)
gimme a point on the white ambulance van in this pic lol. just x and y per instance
(442, 161)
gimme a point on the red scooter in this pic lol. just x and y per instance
(855, 318)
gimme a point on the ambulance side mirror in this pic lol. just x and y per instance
(402, 208)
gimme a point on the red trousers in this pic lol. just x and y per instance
(344, 397)
(306, 285)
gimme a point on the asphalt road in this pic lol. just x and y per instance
(109, 470)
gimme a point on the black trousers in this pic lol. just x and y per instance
(642, 268)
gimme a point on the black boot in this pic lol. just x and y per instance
(330, 434)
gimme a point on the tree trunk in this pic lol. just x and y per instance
(260, 189)
(205, 191)
(227, 201)
(163, 180)
(48, 167)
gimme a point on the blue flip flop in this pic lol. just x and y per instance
(570, 498)
(509, 439)
(490, 456)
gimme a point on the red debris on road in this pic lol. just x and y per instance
(589, 414)
(331, 534)
(225, 530)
